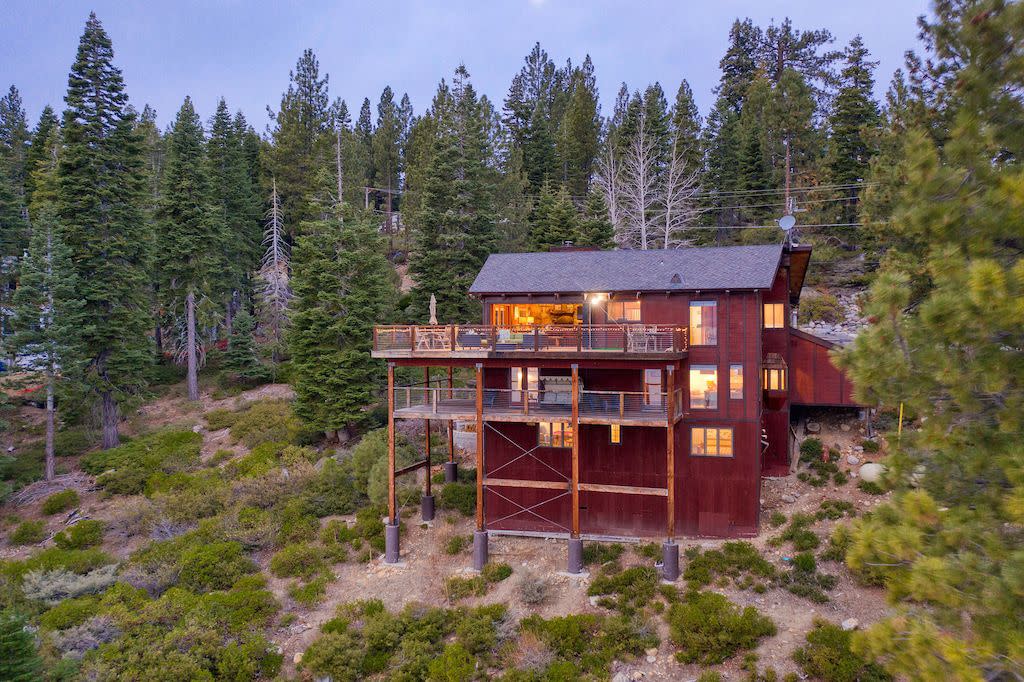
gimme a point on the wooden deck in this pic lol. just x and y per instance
(465, 410)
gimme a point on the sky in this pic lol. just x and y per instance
(243, 50)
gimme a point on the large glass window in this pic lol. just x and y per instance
(775, 379)
(736, 382)
(652, 386)
(703, 387)
(554, 434)
(624, 311)
(703, 323)
(774, 316)
(532, 375)
(711, 441)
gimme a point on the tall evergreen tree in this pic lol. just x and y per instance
(14, 141)
(595, 228)
(41, 150)
(363, 131)
(851, 123)
(343, 285)
(19, 661)
(387, 138)
(580, 130)
(685, 126)
(153, 153)
(301, 138)
(455, 229)
(188, 225)
(101, 197)
(46, 303)
(531, 117)
(555, 219)
(782, 47)
(945, 338)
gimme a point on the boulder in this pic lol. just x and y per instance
(844, 427)
(620, 677)
(853, 460)
(297, 658)
(788, 498)
(872, 472)
(850, 624)
(812, 427)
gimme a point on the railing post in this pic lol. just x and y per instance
(493, 338)
(625, 338)
(579, 337)
(536, 338)
(451, 335)
(412, 337)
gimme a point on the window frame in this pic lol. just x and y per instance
(557, 432)
(689, 388)
(769, 373)
(778, 319)
(718, 431)
(732, 389)
(706, 330)
(625, 318)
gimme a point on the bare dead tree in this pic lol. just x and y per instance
(274, 289)
(609, 183)
(639, 189)
(679, 207)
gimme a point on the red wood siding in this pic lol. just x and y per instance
(815, 379)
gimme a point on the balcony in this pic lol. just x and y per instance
(484, 341)
(632, 408)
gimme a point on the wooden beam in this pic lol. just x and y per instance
(670, 452)
(479, 446)
(451, 423)
(426, 482)
(391, 444)
(574, 488)
(413, 467)
(523, 483)
(623, 489)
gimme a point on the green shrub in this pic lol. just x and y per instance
(835, 509)
(335, 655)
(601, 553)
(87, 533)
(309, 594)
(870, 446)
(69, 613)
(79, 561)
(838, 543)
(458, 587)
(29, 533)
(735, 560)
(126, 470)
(777, 519)
(60, 502)
(799, 534)
(827, 656)
(214, 566)
(632, 588)
(811, 449)
(822, 308)
(590, 642)
(457, 544)
(870, 487)
(301, 560)
(453, 665)
(267, 420)
(460, 497)
(710, 676)
(649, 550)
(333, 491)
(221, 419)
(495, 573)
(709, 628)
(805, 562)
(338, 532)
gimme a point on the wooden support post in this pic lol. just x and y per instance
(426, 484)
(536, 339)
(479, 447)
(575, 487)
(451, 423)
(670, 452)
(392, 509)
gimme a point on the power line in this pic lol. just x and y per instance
(764, 227)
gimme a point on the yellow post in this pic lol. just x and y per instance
(899, 428)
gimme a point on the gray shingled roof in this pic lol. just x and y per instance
(724, 267)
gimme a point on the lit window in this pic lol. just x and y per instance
(624, 311)
(775, 379)
(554, 435)
(703, 387)
(652, 387)
(616, 434)
(516, 381)
(703, 323)
(736, 382)
(774, 316)
(711, 441)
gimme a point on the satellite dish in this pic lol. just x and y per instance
(787, 222)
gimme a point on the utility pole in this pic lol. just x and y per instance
(789, 201)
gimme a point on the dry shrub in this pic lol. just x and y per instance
(134, 516)
(532, 654)
(533, 589)
(76, 641)
(54, 586)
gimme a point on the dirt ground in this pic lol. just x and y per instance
(425, 566)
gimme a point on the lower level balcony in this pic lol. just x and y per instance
(505, 405)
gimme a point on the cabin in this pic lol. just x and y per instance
(618, 394)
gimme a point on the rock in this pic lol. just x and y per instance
(10, 448)
(637, 675)
(853, 460)
(620, 677)
(652, 652)
(844, 427)
(198, 428)
(593, 601)
(788, 498)
(812, 427)
(297, 658)
(859, 449)
(850, 624)
(872, 472)
(652, 659)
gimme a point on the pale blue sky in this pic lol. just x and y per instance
(244, 50)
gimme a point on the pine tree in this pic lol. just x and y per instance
(241, 362)
(42, 151)
(188, 225)
(19, 661)
(944, 339)
(153, 152)
(685, 128)
(580, 130)
(595, 227)
(274, 291)
(14, 142)
(850, 125)
(301, 138)
(365, 172)
(343, 285)
(387, 137)
(100, 210)
(531, 114)
(555, 221)
(46, 303)
(782, 48)
(455, 229)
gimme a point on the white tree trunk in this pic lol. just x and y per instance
(679, 208)
(192, 377)
(639, 189)
(50, 427)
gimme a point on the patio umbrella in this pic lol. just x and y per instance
(433, 309)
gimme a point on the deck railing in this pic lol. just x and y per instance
(552, 405)
(621, 338)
